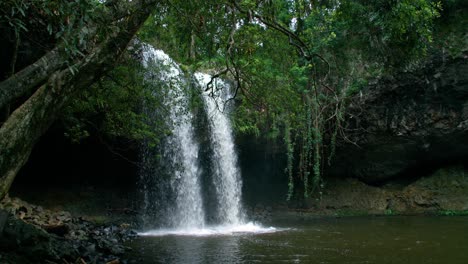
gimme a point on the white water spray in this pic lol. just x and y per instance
(227, 175)
(180, 148)
(181, 152)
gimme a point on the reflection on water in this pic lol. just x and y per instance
(191, 249)
(331, 240)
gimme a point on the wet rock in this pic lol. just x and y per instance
(407, 121)
(56, 236)
(27, 240)
(3, 219)
(444, 190)
(118, 250)
(91, 249)
(59, 229)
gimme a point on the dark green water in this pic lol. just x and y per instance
(393, 239)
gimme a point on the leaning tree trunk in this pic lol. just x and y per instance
(32, 119)
(29, 78)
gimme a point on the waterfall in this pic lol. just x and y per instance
(180, 147)
(226, 172)
(174, 189)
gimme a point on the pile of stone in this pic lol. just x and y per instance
(32, 234)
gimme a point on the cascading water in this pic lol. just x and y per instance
(180, 148)
(184, 212)
(226, 172)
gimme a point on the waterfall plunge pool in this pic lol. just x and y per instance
(217, 230)
(394, 239)
(327, 240)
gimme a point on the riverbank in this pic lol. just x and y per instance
(94, 225)
(33, 234)
(443, 192)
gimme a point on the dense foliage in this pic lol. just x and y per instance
(43, 24)
(112, 107)
(295, 63)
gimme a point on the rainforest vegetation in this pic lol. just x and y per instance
(353, 106)
(295, 65)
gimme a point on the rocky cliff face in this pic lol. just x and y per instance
(443, 192)
(411, 121)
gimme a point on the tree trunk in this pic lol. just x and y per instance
(32, 119)
(30, 77)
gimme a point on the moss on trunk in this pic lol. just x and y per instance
(27, 123)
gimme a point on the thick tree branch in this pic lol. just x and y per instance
(30, 77)
(27, 80)
(27, 123)
(294, 39)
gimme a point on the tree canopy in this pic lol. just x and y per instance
(295, 65)
(296, 62)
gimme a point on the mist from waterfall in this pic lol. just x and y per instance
(174, 188)
(180, 148)
(226, 176)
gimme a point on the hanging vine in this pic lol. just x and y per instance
(289, 159)
(295, 63)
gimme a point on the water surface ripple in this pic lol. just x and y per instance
(331, 240)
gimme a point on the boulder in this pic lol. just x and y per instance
(30, 233)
